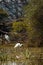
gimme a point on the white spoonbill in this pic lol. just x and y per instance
(18, 45)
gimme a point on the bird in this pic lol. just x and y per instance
(17, 57)
(18, 45)
(7, 37)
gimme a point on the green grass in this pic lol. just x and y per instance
(8, 52)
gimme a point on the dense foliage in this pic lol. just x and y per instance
(34, 23)
(30, 29)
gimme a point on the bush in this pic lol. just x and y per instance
(20, 27)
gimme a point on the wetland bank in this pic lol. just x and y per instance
(28, 30)
(20, 56)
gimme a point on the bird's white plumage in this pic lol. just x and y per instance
(17, 57)
(7, 37)
(18, 45)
